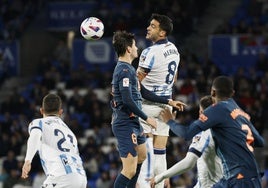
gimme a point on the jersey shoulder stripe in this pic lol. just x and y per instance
(36, 123)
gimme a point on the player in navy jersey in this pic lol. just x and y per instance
(234, 135)
(201, 152)
(126, 105)
(157, 72)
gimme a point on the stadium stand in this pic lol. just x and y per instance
(85, 92)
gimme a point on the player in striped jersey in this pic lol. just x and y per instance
(57, 147)
(234, 135)
(201, 151)
(157, 71)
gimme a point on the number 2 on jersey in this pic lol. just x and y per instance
(250, 137)
(59, 133)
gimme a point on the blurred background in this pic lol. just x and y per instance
(41, 51)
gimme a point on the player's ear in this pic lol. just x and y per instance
(41, 111)
(162, 33)
(60, 111)
(128, 49)
(213, 92)
(233, 93)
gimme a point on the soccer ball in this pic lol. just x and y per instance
(92, 28)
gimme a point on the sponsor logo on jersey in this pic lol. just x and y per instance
(142, 58)
(126, 82)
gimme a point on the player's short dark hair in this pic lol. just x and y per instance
(206, 101)
(224, 86)
(51, 103)
(165, 23)
(122, 40)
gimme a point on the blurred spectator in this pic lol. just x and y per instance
(104, 181)
(39, 178)
(61, 52)
(11, 169)
(262, 62)
(187, 87)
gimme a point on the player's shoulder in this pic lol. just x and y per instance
(214, 107)
(206, 133)
(196, 138)
(222, 107)
(147, 50)
(36, 121)
(123, 68)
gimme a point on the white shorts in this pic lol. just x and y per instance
(153, 110)
(67, 181)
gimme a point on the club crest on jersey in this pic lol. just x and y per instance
(196, 138)
(126, 82)
(142, 58)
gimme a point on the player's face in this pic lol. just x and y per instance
(134, 50)
(153, 31)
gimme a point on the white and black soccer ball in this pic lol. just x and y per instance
(92, 28)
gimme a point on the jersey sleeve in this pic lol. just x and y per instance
(34, 140)
(182, 166)
(151, 96)
(184, 131)
(206, 120)
(125, 90)
(146, 60)
(199, 143)
(35, 124)
(258, 139)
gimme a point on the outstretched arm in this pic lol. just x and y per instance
(186, 132)
(179, 168)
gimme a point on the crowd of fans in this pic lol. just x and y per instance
(251, 17)
(86, 95)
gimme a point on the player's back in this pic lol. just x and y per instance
(209, 167)
(58, 151)
(233, 134)
(162, 61)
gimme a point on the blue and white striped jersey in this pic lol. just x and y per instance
(161, 61)
(209, 167)
(58, 149)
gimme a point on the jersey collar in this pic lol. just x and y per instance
(163, 41)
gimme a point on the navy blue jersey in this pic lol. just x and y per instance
(234, 136)
(125, 90)
(126, 105)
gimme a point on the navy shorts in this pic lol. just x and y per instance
(254, 182)
(128, 132)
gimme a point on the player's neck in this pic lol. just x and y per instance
(49, 115)
(221, 99)
(126, 59)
